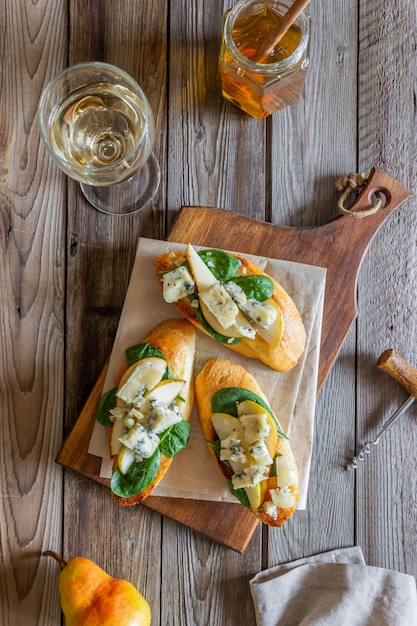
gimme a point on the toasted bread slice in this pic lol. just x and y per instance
(175, 339)
(278, 494)
(281, 357)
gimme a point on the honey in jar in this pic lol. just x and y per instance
(260, 83)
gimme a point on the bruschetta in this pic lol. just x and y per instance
(148, 412)
(236, 303)
(246, 441)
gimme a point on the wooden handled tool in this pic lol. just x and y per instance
(394, 365)
(286, 22)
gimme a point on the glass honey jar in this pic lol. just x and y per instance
(259, 83)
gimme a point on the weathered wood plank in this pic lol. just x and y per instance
(217, 153)
(214, 151)
(133, 38)
(313, 144)
(385, 492)
(204, 582)
(60, 316)
(34, 47)
(101, 252)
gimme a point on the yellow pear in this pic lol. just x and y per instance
(91, 597)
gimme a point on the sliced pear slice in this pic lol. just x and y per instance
(273, 334)
(125, 459)
(116, 432)
(220, 303)
(225, 425)
(203, 276)
(249, 407)
(256, 494)
(140, 377)
(286, 473)
(165, 392)
(205, 279)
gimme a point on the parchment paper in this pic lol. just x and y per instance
(292, 395)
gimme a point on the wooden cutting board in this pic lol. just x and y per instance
(340, 246)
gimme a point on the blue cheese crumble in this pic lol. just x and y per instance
(250, 476)
(231, 449)
(271, 509)
(262, 313)
(177, 284)
(220, 304)
(260, 452)
(161, 418)
(141, 442)
(255, 426)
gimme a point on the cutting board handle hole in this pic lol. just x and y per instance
(381, 196)
(365, 205)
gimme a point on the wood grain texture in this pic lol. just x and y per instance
(209, 138)
(65, 270)
(386, 492)
(312, 144)
(32, 286)
(209, 142)
(101, 248)
(100, 254)
(314, 141)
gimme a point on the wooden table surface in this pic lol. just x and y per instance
(65, 269)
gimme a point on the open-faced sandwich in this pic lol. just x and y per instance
(246, 441)
(148, 412)
(235, 302)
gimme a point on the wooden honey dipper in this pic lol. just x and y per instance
(276, 35)
(394, 365)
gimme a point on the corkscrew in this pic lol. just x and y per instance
(394, 365)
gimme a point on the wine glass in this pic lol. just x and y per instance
(98, 125)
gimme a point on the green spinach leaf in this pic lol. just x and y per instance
(137, 478)
(106, 402)
(143, 351)
(225, 401)
(174, 439)
(259, 287)
(223, 265)
(240, 494)
(216, 445)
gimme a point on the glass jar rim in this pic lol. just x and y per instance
(303, 21)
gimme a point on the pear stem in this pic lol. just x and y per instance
(57, 557)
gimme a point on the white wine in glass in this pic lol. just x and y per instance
(97, 124)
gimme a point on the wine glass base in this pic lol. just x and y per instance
(130, 195)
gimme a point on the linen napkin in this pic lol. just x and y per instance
(335, 588)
